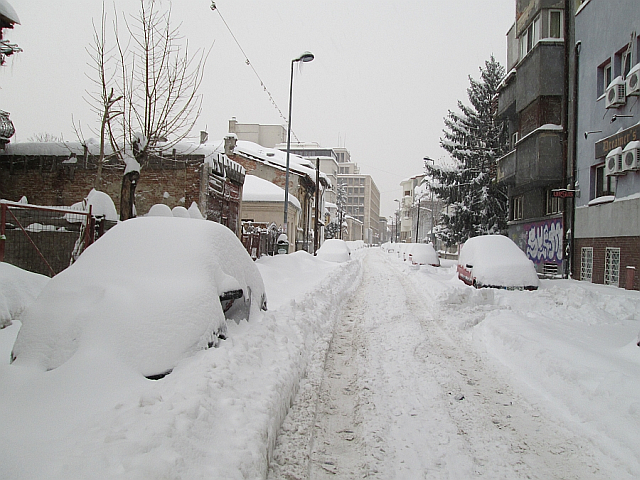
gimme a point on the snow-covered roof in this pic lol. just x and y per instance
(278, 158)
(257, 189)
(212, 151)
(6, 10)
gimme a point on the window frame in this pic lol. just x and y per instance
(554, 204)
(560, 24)
(605, 185)
(612, 266)
(586, 264)
(517, 208)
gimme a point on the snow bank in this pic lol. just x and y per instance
(147, 292)
(215, 416)
(571, 344)
(18, 289)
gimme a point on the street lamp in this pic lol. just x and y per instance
(305, 57)
(397, 217)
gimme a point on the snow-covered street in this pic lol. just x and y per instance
(366, 369)
(405, 394)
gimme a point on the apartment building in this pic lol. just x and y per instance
(533, 100)
(606, 82)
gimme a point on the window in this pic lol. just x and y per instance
(554, 204)
(586, 264)
(612, 266)
(514, 139)
(625, 63)
(605, 75)
(605, 185)
(517, 208)
(530, 37)
(555, 24)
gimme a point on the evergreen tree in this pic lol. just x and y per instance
(474, 140)
(333, 229)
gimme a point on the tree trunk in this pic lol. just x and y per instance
(127, 195)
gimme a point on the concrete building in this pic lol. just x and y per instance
(363, 196)
(606, 82)
(533, 100)
(266, 135)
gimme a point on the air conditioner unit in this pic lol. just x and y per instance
(632, 81)
(615, 94)
(631, 156)
(613, 162)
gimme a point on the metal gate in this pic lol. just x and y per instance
(41, 239)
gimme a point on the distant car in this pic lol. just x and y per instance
(334, 250)
(151, 291)
(423, 254)
(495, 261)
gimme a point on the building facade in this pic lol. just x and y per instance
(533, 100)
(363, 196)
(266, 135)
(606, 82)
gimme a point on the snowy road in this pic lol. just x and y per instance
(404, 396)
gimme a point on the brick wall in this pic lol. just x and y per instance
(55, 184)
(629, 256)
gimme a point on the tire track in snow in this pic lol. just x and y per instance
(403, 398)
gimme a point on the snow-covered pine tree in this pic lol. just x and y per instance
(333, 230)
(474, 140)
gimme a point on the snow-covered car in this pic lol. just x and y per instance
(151, 291)
(334, 250)
(495, 261)
(423, 254)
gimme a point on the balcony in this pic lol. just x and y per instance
(506, 168)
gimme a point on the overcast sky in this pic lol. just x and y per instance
(384, 75)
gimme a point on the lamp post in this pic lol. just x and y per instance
(305, 57)
(397, 217)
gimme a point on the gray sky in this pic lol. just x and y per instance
(383, 78)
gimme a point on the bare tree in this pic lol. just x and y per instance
(151, 71)
(103, 100)
(45, 137)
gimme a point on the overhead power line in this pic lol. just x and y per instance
(248, 62)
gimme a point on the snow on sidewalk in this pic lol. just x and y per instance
(215, 416)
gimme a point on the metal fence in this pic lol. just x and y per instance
(260, 238)
(44, 240)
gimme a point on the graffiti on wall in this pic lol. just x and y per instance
(541, 241)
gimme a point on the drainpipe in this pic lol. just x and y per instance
(566, 244)
(574, 158)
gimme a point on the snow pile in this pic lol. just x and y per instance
(572, 344)
(147, 293)
(101, 206)
(18, 288)
(334, 250)
(215, 416)
(497, 261)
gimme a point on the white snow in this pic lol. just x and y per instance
(101, 206)
(497, 261)
(257, 189)
(18, 288)
(448, 381)
(146, 293)
(334, 250)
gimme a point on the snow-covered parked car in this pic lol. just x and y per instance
(334, 250)
(495, 261)
(423, 254)
(150, 292)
